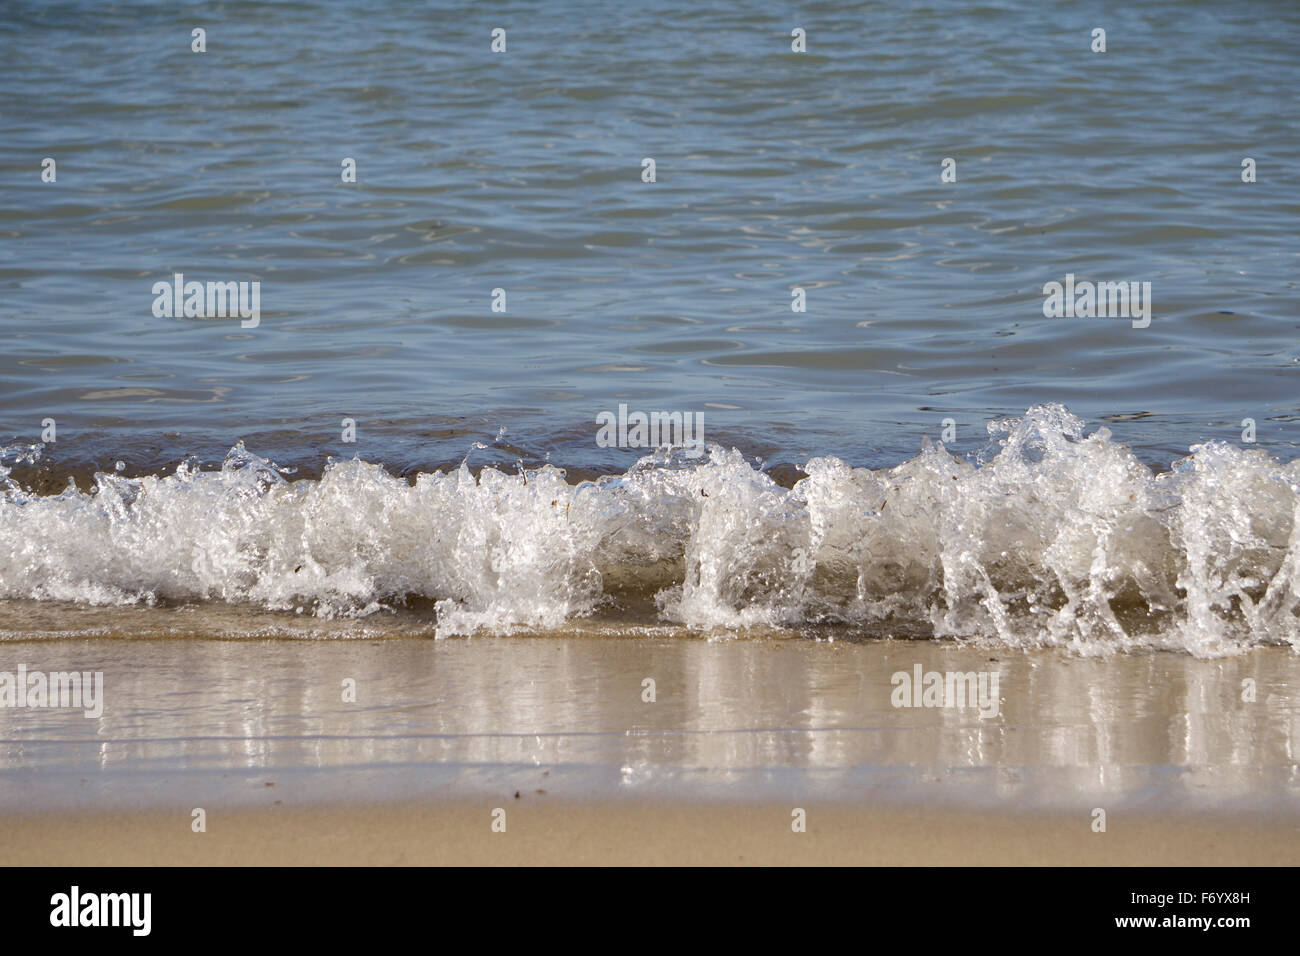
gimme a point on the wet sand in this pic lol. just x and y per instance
(262, 735)
(542, 832)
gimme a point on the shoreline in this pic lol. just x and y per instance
(397, 751)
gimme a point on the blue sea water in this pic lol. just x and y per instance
(522, 171)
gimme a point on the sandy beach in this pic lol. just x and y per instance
(543, 832)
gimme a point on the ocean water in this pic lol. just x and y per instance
(920, 451)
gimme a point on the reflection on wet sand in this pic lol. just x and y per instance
(740, 719)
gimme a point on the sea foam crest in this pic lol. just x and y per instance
(1052, 537)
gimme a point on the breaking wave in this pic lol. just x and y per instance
(1050, 537)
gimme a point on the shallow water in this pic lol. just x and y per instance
(189, 722)
(522, 171)
(774, 171)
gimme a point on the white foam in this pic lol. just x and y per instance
(1058, 538)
